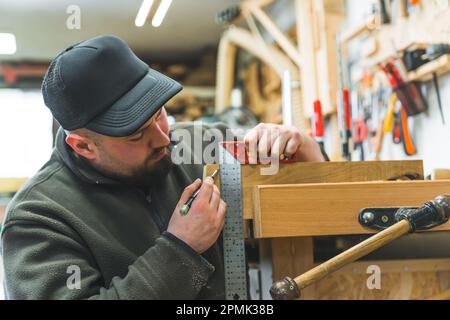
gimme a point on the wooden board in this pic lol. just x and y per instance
(324, 172)
(439, 66)
(292, 256)
(441, 174)
(332, 209)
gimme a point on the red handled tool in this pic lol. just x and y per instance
(407, 92)
(318, 127)
(360, 133)
(408, 144)
(238, 151)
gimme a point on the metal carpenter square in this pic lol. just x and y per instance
(233, 230)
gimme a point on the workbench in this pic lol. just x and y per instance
(308, 200)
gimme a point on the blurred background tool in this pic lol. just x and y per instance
(317, 124)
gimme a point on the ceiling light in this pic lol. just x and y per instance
(143, 12)
(7, 43)
(161, 12)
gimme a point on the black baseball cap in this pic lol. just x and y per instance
(101, 85)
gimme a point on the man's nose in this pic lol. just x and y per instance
(159, 138)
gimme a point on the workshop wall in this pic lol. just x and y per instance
(431, 137)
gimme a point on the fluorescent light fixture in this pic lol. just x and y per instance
(161, 13)
(7, 43)
(143, 12)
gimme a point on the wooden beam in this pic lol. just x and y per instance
(332, 209)
(275, 32)
(226, 59)
(293, 256)
(307, 42)
(236, 37)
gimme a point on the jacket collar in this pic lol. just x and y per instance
(81, 168)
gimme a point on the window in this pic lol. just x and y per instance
(25, 133)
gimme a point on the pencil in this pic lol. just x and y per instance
(185, 208)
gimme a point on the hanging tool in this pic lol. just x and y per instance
(408, 144)
(403, 8)
(417, 58)
(434, 52)
(360, 133)
(384, 16)
(430, 215)
(389, 120)
(385, 126)
(400, 131)
(397, 129)
(408, 93)
(317, 124)
(414, 59)
(438, 95)
(344, 108)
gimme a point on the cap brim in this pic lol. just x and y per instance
(134, 109)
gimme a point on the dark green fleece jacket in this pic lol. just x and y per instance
(69, 218)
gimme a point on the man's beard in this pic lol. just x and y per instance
(145, 175)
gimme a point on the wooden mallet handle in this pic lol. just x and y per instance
(430, 215)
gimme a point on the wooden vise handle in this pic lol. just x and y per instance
(431, 214)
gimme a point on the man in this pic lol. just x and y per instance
(101, 220)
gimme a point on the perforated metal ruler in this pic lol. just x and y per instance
(233, 230)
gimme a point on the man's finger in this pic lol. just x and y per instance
(206, 189)
(279, 145)
(251, 145)
(293, 144)
(222, 210)
(264, 144)
(215, 198)
(189, 190)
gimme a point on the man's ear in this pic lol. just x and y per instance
(82, 146)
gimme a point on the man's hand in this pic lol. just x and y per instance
(201, 227)
(276, 141)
